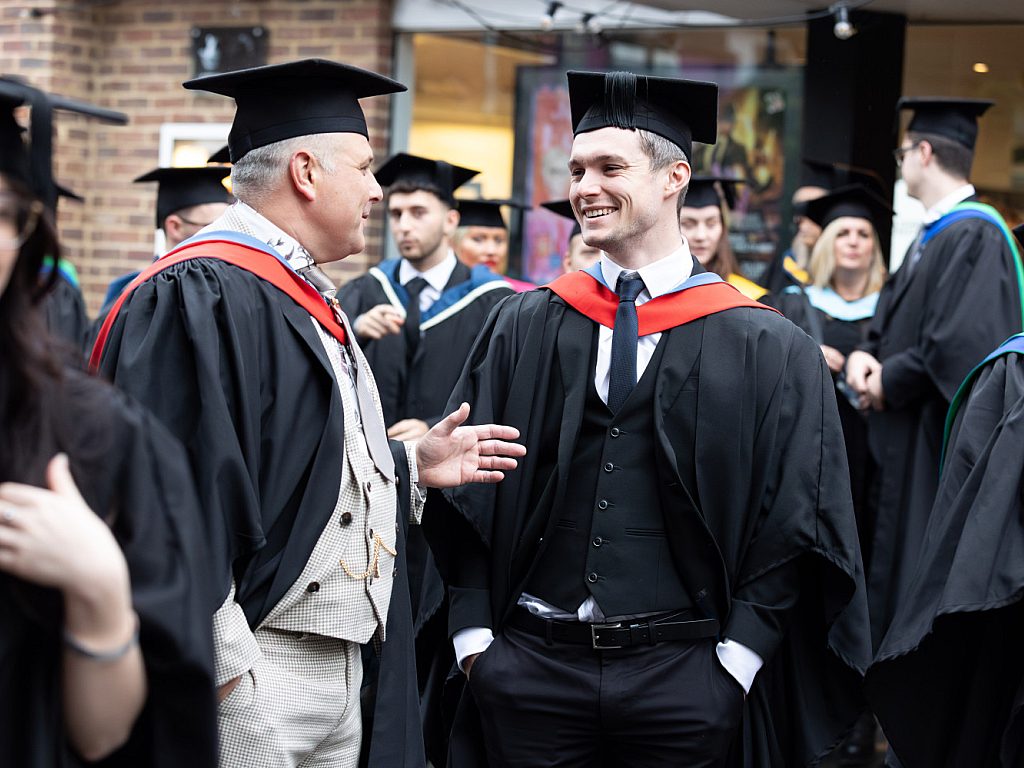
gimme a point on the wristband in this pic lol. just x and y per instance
(102, 656)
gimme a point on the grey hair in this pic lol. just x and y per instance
(260, 170)
(661, 153)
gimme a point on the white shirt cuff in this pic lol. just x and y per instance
(740, 662)
(471, 640)
(417, 493)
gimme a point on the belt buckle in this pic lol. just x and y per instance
(595, 628)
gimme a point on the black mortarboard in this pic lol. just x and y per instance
(955, 119)
(564, 208)
(853, 200)
(703, 191)
(300, 98)
(834, 174)
(31, 162)
(222, 155)
(682, 111)
(181, 188)
(436, 176)
(485, 213)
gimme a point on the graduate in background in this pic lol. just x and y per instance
(578, 255)
(187, 199)
(673, 576)
(703, 223)
(482, 238)
(956, 296)
(948, 680)
(416, 318)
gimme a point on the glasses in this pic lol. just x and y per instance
(18, 220)
(899, 154)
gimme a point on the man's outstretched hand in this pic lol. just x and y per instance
(450, 454)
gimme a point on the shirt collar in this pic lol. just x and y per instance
(437, 276)
(262, 228)
(659, 277)
(946, 204)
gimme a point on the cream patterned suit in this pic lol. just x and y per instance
(297, 702)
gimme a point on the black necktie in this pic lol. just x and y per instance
(412, 314)
(625, 336)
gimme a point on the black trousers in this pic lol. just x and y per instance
(671, 704)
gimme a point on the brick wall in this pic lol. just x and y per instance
(133, 56)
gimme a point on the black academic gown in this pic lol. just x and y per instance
(129, 468)
(948, 682)
(64, 310)
(418, 387)
(843, 336)
(236, 370)
(773, 493)
(933, 324)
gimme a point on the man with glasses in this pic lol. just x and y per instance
(954, 299)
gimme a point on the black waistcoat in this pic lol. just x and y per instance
(609, 540)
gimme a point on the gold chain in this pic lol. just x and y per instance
(374, 567)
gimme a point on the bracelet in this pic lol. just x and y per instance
(103, 656)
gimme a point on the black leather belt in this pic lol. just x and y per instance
(620, 634)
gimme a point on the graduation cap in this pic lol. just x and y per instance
(485, 213)
(31, 162)
(703, 191)
(564, 208)
(300, 98)
(435, 176)
(852, 200)
(181, 188)
(222, 155)
(955, 119)
(682, 111)
(833, 174)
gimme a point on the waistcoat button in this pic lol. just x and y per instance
(609, 467)
(346, 518)
(592, 578)
(598, 541)
(314, 586)
(602, 504)
(614, 432)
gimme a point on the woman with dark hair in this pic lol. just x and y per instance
(703, 222)
(105, 634)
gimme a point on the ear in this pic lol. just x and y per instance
(451, 221)
(172, 228)
(304, 174)
(927, 151)
(678, 178)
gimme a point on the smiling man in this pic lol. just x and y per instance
(681, 530)
(236, 342)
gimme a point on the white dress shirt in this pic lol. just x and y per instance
(437, 278)
(659, 278)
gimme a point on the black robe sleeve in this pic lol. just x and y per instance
(948, 680)
(131, 471)
(233, 368)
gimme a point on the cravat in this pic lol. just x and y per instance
(412, 314)
(625, 337)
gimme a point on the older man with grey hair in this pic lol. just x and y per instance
(236, 342)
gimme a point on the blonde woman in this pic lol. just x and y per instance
(848, 272)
